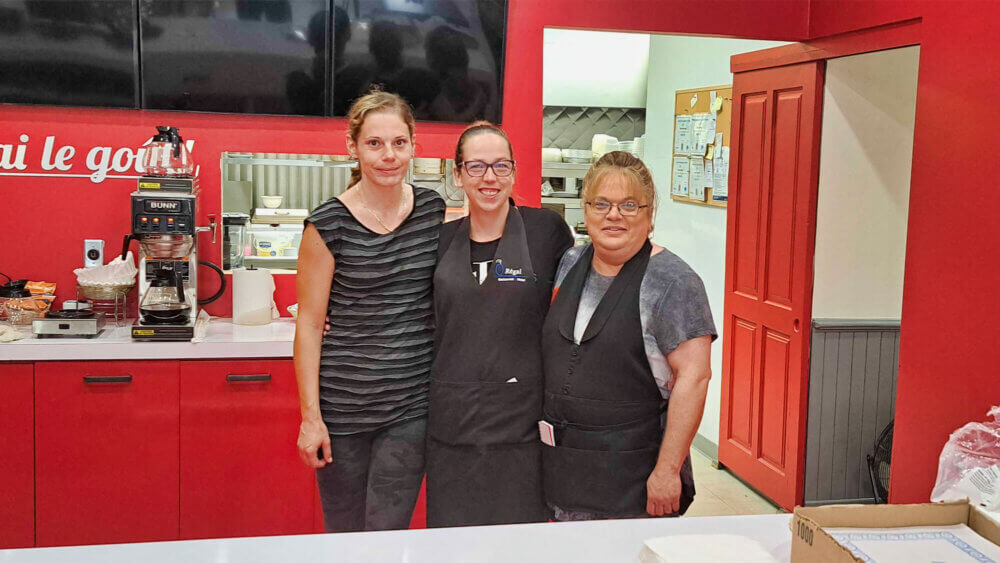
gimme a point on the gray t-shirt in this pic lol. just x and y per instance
(673, 307)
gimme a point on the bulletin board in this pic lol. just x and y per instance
(683, 106)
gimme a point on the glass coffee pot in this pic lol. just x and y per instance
(164, 301)
(167, 156)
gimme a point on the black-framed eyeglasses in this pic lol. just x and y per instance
(626, 208)
(478, 167)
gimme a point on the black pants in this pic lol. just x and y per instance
(374, 479)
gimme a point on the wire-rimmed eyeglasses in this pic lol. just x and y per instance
(626, 208)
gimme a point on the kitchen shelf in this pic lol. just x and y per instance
(568, 202)
(270, 258)
(564, 170)
(234, 159)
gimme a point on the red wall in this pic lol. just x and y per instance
(46, 219)
(948, 353)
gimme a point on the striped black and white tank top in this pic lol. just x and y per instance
(376, 359)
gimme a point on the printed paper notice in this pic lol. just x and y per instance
(696, 187)
(709, 175)
(720, 175)
(682, 170)
(682, 135)
(703, 131)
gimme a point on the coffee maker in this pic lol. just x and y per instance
(163, 222)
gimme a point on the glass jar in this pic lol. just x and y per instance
(23, 310)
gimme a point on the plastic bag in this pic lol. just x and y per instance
(970, 464)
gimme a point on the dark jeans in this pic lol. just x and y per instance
(374, 479)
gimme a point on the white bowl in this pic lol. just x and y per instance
(272, 201)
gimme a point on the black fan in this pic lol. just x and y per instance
(878, 465)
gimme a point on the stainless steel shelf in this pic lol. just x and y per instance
(564, 170)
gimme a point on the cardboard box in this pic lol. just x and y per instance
(811, 543)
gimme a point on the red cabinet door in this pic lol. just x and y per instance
(17, 456)
(106, 450)
(240, 470)
(769, 276)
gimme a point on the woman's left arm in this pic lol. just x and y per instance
(691, 365)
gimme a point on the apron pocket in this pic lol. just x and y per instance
(601, 482)
(635, 435)
(475, 413)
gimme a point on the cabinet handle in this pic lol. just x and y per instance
(248, 378)
(107, 379)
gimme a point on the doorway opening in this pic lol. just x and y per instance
(869, 105)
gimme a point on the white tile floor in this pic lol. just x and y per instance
(718, 493)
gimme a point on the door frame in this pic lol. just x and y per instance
(869, 40)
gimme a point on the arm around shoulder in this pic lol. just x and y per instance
(313, 282)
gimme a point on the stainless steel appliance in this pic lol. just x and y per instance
(163, 223)
(164, 210)
(69, 323)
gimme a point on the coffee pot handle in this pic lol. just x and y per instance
(179, 284)
(125, 245)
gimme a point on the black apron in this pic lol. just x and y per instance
(483, 453)
(602, 399)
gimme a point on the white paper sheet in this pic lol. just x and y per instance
(720, 176)
(682, 170)
(917, 544)
(702, 132)
(709, 175)
(696, 185)
(709, 131)
(682, 134)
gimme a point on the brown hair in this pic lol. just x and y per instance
(626, 166)
(375, 101)
(479, 128)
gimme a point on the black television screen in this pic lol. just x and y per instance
(69, 52)
(444, 56)
(238, 56)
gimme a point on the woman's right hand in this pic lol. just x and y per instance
(313, 437)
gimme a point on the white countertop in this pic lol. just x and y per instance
(223, 340)
(577, 542)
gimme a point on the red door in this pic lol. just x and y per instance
(240, 470)
(106, 452)
(17, 456)
(769, 276)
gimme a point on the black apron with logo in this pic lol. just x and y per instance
(602, 399)
(483, 453)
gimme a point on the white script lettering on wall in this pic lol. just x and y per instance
(56, 159)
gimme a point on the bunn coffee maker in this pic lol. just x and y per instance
(163, 222)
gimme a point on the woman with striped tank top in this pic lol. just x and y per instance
(367, 261)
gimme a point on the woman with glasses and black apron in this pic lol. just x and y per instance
(491, 291)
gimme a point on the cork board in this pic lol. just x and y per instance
(682, 106)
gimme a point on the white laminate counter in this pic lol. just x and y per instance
(575, 542)
(223, 340)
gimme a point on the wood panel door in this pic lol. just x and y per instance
(770, 241)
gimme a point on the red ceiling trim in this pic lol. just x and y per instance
(889, 36)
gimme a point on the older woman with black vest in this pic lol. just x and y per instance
(626, 347)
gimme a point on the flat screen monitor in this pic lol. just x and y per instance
(236, 56)
(445, 57)
(69, 52)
